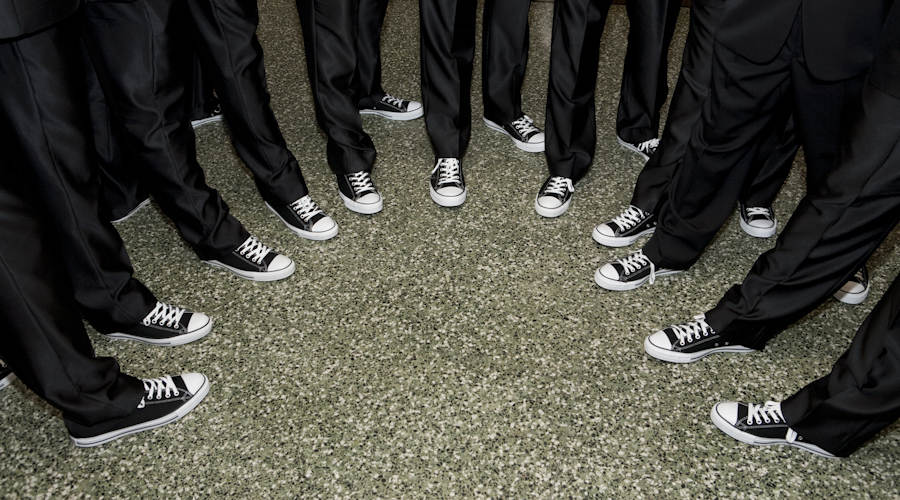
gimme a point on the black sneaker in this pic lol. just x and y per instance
(359, 194)
(554, 197)
(448, 186)
(626, 228)
(629, 273)
(688, 342)
(167, 326)
(393, 108)
(166, 399)
(645, 149)
(306, 219)
(133, 211)
(857, 289)
(215, 116)
(523, 133)
(758, 222)
(6, 375)
(759, 424)
(254, 261)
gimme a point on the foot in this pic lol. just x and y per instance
(626, 228)
(254, 261)
(133, 211)
(759, 424)
(688, 342)
(6, 375)
(359, 194)
(166, 399)
(448, 186)
(306, 219)
(856, 290)
(166, 325)
(758, 222)
(554, 197)
(523, 133)
(215, 116)
(629, 273)
(393, 108)
(645, 149)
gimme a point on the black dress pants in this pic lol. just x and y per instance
(447, 52)
(138, 51)
(571, 127)
(504, 58)
(44, 119)
(861, 396)
(644, 78)
(42, 337)
(368, 51)
(225, 34)
(691, 91)
(330, 33)
(724, 147)
(831, 234)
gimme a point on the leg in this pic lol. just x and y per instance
(644, 86)
(368, 51)
(504, 58)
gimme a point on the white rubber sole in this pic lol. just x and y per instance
(363, 208)
(685, 357)
(758, 232)
(524, 146)
(204, 121)
(152, 424)
(748, 438)
(618, 286)
(631, 148)
(394, 115)
(612, 241)
(169, 342)
(448, 201)
(5, 381)
(255, 276)
(133, 211)
(310, 235)
(853, 298)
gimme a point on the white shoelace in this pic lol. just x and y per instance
(162, 387)
(448, 171)
(648, 146)
(770, 412)
(692, 330)
(630, 218)
(163, 314)
(253, 250)
(361, 182)
(393, 101)
(525, 126)
(305, 208)
(559, 186)
(636, 261)
(764, 211)
(860, 275)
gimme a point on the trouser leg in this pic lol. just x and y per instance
(368, 51)
(329, 36)
(45, 119)
(571, 127)
(833, 231)
(690, 93)
(448, 51)
(200, 99)
(504, 58)
(226, 42)
(861, 396)
(143, 79)
(762, 185)
(42, 337)
(644, 78)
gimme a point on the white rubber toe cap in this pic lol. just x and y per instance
(660, 340)
(537, 138)
(369, 199)
(449, 191)
(413, 106)
(324, 225)
(193, 381)
(727, 411)
(549, 202)
(280, 263)
(609, 272)
(605, 230)
(199, 321)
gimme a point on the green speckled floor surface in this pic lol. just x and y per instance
(428, 352)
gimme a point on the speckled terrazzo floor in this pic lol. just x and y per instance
(428, 352)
